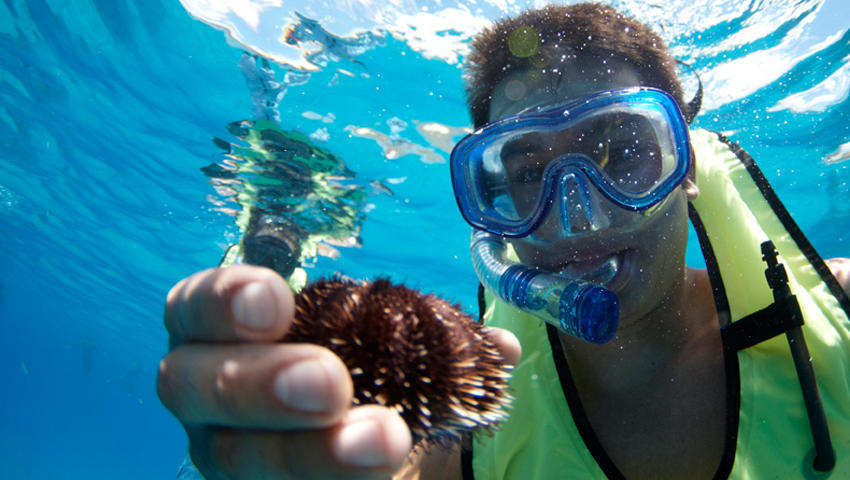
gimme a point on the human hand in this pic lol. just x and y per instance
(840, 268)
(256, 408)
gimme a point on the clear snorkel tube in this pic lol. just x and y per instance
(581, 309)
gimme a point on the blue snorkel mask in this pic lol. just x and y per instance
(561, 171)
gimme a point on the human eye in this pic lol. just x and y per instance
(519, 149)
(634, 165)
(524, 161)
(527, 173)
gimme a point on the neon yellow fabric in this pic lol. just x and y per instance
(773, 432)
(540, 439)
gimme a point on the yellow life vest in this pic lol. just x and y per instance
(768, 433)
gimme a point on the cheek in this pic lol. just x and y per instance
(667, 229)
(527, 254)
(658, 260)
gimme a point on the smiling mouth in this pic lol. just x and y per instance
(606, 270)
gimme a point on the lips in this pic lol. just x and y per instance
(609, 269)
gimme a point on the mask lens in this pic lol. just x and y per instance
(631, 151)
(513, 171)
(629, 145)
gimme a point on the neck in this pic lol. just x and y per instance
(649, 349)
(660, 380)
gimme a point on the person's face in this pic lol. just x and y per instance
(639, 256)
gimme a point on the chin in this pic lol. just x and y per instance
(645, 291)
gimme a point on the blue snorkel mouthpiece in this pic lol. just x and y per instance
(582, 309)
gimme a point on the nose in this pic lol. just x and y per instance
(576, 208)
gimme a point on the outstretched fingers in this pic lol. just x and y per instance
(370, 442)
(238, 303)
(274, 386)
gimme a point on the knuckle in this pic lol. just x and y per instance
(174, 293)
(221, 283)
(226, 390)
(172, 309)
(165, 383)
(179, 301)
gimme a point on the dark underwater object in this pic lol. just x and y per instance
(272, 242)
(406, 350)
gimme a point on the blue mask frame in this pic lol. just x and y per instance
(467, 159)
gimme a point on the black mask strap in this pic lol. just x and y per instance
(696, 102)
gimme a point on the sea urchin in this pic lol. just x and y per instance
(413, 352)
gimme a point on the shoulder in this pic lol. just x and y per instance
(699, 287)
(840, 268)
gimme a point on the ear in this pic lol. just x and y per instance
(690, 182)
(691, 189)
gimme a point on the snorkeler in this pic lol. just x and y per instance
(266, 90)
(297, 200)
(306, 32)
(582, 167)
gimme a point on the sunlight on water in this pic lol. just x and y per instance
(272, 27)
(738, 47)
(828, 93)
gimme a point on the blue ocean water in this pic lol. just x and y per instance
(108, 109)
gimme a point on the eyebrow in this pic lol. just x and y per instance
(517, 145)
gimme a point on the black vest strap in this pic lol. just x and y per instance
(482, 304)
(775, 319)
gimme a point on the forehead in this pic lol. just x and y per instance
(568, 79)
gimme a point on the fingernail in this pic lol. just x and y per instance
(305, 386)
(371, 439)
(361, 444)
(255, 306)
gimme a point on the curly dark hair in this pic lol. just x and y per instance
(588, 29)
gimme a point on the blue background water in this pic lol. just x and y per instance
(107, 111)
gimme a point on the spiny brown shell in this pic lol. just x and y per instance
(413, 352)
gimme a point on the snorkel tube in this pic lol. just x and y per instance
(582, 309)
